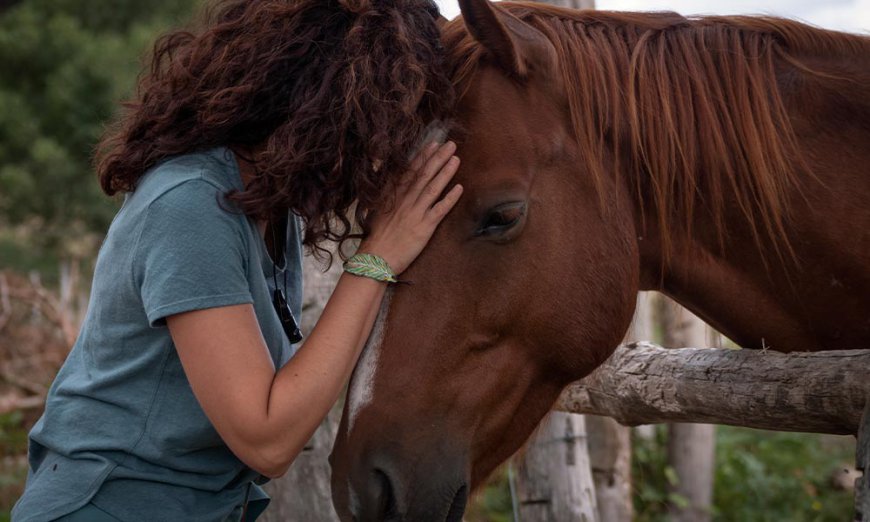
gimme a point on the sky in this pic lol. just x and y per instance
(841, 15)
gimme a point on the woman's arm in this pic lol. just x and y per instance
(267, 417)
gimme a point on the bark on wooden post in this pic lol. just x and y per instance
(691, 447)
(643, 328)
(610, 454)
(691, 454)
(553, 481)
(304, 493)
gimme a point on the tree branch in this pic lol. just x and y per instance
(10, 403)
(23, 384)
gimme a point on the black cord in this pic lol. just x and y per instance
(272, 255)
(282, 250)
(279, 298)
(245, 505)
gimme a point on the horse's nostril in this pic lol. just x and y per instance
(457, 508)
(387, 496)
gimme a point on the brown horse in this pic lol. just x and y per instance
(724, 161)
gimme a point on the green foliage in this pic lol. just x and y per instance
(760, 476)
(13, 441)
(13, 436)
(493, 502)
(119, 16)
(651, 476)
(20, 258)
(771, 476)
(64, 67)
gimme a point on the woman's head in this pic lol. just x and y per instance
(330, 94)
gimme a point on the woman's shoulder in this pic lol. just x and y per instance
(182, 200)
(191, 175)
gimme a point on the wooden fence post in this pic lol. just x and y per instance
(643, 328)
(610, 455)
(691, 447)
(553, 481)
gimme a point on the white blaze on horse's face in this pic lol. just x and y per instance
(360, 393)
(363, 379)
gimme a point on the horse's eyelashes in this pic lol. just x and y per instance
(501, 218)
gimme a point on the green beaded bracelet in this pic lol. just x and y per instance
(371, 266)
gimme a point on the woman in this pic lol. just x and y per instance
(178, 395)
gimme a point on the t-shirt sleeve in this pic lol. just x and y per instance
(191, 253)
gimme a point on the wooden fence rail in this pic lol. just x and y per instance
(820, 392)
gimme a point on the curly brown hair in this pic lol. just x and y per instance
(330, 94)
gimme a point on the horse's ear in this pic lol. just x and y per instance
(516, 46)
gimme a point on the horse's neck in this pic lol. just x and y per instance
(821, 301)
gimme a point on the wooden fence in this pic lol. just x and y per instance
(820, 392)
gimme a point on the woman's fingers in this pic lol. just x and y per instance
(411, 176)
(436, 185)
(423, 155)
(432, 166)
(440, 209)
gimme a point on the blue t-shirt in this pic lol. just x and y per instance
(122, 428)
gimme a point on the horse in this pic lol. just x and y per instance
(723, 161)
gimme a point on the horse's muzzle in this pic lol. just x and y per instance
(377, 488)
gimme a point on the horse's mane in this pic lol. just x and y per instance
(693, 103)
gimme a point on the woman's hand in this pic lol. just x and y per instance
(399, 236)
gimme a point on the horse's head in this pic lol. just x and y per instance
(527, 285)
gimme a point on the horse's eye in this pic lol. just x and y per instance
(501, 218)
